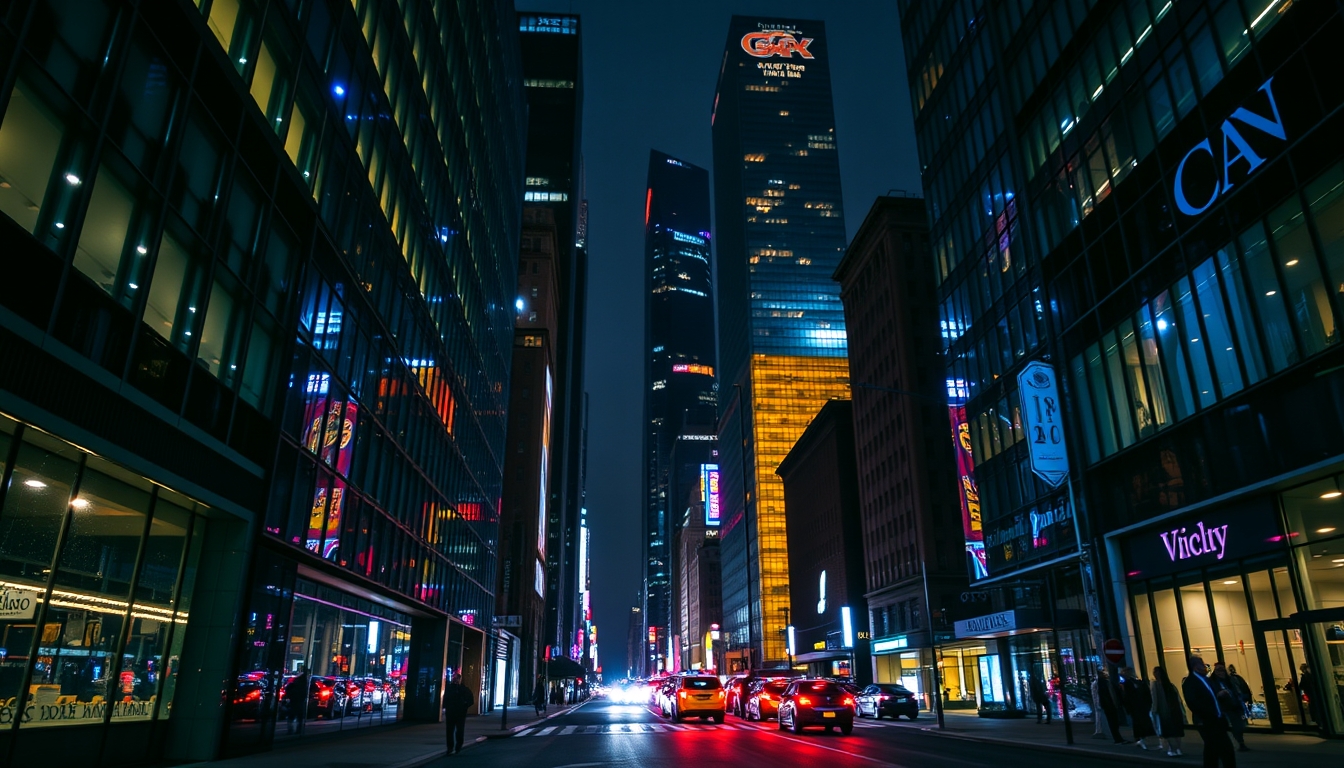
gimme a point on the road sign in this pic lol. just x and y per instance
(1114, 651)
(1043, 423)
(508, 622)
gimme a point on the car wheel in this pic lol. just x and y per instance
(718, 719)
(781, 723)
(797, 725)
(846, 729)
(914, 715)
(676, 716)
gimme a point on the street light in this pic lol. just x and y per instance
(789, 635)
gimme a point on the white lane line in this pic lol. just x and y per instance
(522, 733)
(545, 730)
(789, 737)
(568, 729)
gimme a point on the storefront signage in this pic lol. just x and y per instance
(1003, 621)
(1192, 200)
(1042, 422)
(1205, 538)
(18, 604)
(775, 42)
(1025, 537)
(891, 644)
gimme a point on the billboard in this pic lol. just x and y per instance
(328, 434)
(968, 491)
(709, 484)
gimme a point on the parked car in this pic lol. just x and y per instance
(738, 686)
(696, 696)
(763, 698)
(662, 696)
(249, 692)
(887, 700)
(327, 697)
(816, 702)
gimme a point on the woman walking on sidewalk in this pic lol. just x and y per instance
(1168, 712)
(1138, 700)
(539, 695)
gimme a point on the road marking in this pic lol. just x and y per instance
(522, 732)
(545, 730)
(568, 729)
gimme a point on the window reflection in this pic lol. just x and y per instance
(30, 140)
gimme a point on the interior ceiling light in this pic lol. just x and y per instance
(1327, 529)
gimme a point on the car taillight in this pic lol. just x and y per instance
(722, 694)
(883, 697)
(253, 696)
(803, 701)
(325, 693)
(767, 697)
(847, 700)
(681, 694)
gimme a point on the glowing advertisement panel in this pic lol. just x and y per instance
(970, 494)
(328, 434)
(709, 479)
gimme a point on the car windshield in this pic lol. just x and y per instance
(701, 683)
(893, 689)
(776, 686)
(820, 686)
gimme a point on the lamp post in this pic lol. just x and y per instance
(788, 636)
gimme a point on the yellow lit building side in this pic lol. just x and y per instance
(787, 391)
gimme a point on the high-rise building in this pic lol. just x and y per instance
(553, 78)
(679, 344)
(1136, 214)
(693, 499)
(529, 447)
(916, 560)
(254, 368)
(781, 233)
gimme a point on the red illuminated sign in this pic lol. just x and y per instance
(769, 43)
(706, 370)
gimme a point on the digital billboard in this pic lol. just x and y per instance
(709, 483)
(970, 494)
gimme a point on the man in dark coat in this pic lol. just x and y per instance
(1209, 716)
(1110, 704)
(457, 699)
(1040, 701)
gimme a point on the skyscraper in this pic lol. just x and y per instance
(679, 392)
(553, 78)
(781, 233)
(1137, 213)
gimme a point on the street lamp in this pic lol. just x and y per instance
(789, 635)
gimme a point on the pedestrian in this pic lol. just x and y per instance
(457, 699)
(1138, 701)
(539, 695)
(1054, 692)
(1241, 685)
(1306, 690)
(1209, 716)
(1040, 700)
(1234, 706)
(1168, 712)
(296, 699)
(1110, 704)
(1098, 717)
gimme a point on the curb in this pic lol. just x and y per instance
(1065, 749)
(417, 762)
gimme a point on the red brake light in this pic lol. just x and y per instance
(847, 700)
(803, 701)
(883, 697)
(325, 693)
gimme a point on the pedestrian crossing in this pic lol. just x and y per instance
(630, 729)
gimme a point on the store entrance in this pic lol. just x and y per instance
(1280, 646)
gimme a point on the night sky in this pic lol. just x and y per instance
(650, 69)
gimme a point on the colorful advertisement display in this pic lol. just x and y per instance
(709, 479)
(328, 434)
(970, 494)
(704, 370)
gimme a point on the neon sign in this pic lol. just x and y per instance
(1242, 148)
(1205, 541)
(775, 42)
(713, 510)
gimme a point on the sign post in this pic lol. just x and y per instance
(1114, 652)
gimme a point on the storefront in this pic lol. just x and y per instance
(1258, 584)
(994, 658)
(901, 660)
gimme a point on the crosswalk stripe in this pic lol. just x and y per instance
(568, 729)
(545, 731)
(523, 732)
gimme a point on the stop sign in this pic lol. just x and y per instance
(1114, 651)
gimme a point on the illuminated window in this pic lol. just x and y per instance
(783, 113)
(763, 88)
(538, 181)
(545, 197)
(774, 193)
(756, 157)
(540, 83)
(795, 186)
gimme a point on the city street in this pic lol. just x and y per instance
(601, 733)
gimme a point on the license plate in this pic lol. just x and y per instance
(828, 714)
(702, 696)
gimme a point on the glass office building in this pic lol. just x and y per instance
(1150, 193)
(679, 348)
(781, 234)
(257, 322)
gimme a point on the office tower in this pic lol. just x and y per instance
(698, 588)
(1149, 194)
(679, 391)
(826, 548)
(916, 560)
(781, 233)
(254, 369)
(528, 460)
(553, 78)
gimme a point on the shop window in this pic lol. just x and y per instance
(35, 507)
(1218, 336)
(1243, 321)
(30, 143)
(1173, 653)
(1168, 341)
(164, 655)
(1325, 196)
(1193, 336)
(1308, 301)
(1262, 596)
(1147, 637)
(200, 165)
(1264, 286)
(175, 292)
(1235, 636)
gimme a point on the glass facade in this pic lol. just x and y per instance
(97, 570)
(782, 343)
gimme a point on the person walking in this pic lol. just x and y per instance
(457, 699)
(1039, 700)
(1306, 689)
(1209, 716)
(1098, 716)
(1138, 701)
(1168, 712)
(1110, 704)
(296, 700)
(539, 695)
(1234, 706)
(1241, 685)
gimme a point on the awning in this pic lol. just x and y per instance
(1019, 621)
(811, 656)
(559, 669)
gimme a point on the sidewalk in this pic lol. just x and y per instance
(391, 746)
(1267, 750)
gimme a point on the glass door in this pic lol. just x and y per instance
(1283, 651)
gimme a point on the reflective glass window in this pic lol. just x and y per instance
(1243, 320)
(1196, 344)
(1089, 429)
(1124, 411)
(175, 291)
(1308, 301)
(258, 371)
(1169, 342)
(35, 506)
(1097, 384)
(1152, 365)
(1159, 99)
(142, 108)
(1217, 334)
(1325, 196)
(1208, 70)
(222, 332)
(200, 165)
(234, 23)
(30, 142)
(70, 40)
(1263, 284)
(113, 243)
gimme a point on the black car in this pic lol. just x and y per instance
(887, 700)
(816, 702)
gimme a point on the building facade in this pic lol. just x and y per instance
(552, 48)
(828, 619)
(1150, 195)
(679, 376)
(528, 460)
(916, 562)
(781, 233)
(254, 384)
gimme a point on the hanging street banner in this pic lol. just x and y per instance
(1043, 423)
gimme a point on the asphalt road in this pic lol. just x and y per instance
(601, 734)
